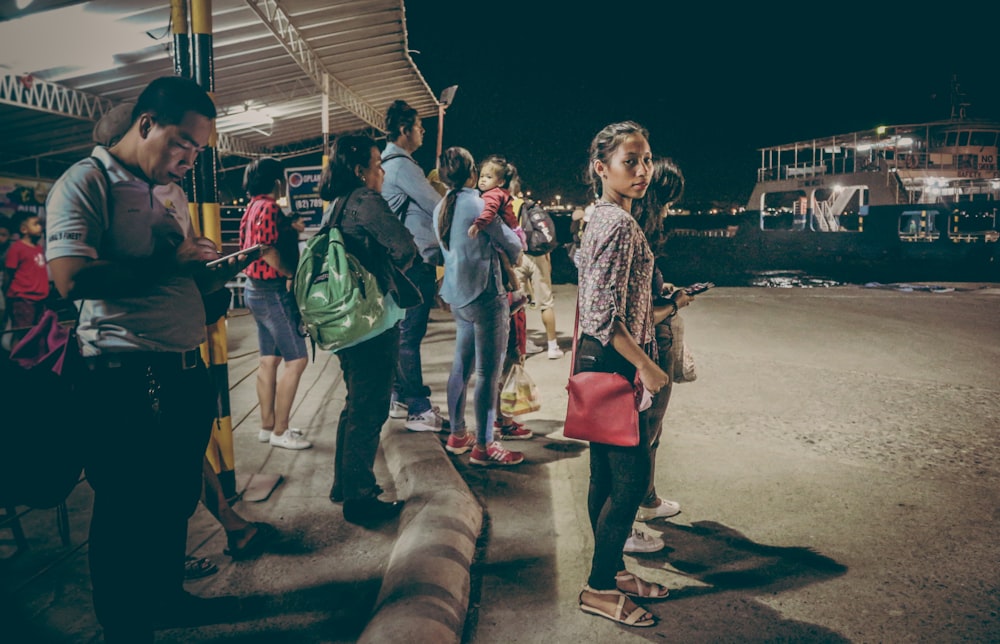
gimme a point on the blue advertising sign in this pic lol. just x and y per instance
(303, 193)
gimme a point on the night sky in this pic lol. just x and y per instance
(711, 83)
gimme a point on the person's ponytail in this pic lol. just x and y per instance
(457, 166)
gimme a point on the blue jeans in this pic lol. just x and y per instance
(409, 386)
(277, 315)
(481, 329)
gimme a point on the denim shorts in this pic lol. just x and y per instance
(273, 307)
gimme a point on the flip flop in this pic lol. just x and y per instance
(265, 534)
(196, 568)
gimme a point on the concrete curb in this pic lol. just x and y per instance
(425, 589)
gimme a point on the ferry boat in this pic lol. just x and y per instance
(907, 202)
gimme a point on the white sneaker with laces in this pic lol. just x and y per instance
(555, 353)
(398, 410)
(639, 541)
(664, 510)
(264, 435)
(428, 421)
(531, 348)
(291, 439)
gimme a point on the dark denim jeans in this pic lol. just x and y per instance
(145, 467)
(481, 330)
(619, 476)
(409, 386)
(368, 377)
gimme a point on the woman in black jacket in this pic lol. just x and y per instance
(372, 233)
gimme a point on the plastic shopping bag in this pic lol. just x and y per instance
(519, 394)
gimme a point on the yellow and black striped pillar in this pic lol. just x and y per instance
(206, 216)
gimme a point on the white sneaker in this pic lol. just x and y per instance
(291, 439)
(531, 348)
(555, 353)
(264, 435)
(664, 510)
(397, 409)
(429, 421)
(639, 541)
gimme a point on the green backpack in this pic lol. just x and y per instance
(339, 299)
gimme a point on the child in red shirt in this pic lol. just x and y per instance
(27, 274)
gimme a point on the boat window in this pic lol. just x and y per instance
(973, 224)
(963, 138)
(781, 220)
(983, 139)
(851, 222)
(919, 225)
(952, 139)
(967, 161)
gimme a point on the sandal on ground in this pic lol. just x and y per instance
(640, 617)
(643, 589)
(196, 568)
(264, 535)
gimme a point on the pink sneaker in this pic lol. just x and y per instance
(511, 430)
(495, 454)
(460, 443)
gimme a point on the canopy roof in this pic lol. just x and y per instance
(64, 64)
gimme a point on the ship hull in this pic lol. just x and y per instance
(735, 253)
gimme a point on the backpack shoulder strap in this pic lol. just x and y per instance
(107, 183)
(405, 206)
(398, 155)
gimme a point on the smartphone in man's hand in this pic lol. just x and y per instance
(252, 252)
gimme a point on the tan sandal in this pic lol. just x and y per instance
(640, 617)
(643, 589)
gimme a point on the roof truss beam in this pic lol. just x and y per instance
(42, 96)
(277, 21)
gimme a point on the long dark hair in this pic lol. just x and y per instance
(604, 145)
(457, 166)
(666, 185)
(340, 177)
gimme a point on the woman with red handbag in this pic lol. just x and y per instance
(616, 322)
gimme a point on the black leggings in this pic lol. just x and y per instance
(619, 477)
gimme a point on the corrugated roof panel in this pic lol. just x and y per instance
(361, 43)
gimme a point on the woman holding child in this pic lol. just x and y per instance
(473, 286)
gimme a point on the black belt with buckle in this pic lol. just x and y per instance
(172, 360)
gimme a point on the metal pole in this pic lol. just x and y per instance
(440, 141)
(215, 352)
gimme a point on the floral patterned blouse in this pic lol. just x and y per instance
(615, 276)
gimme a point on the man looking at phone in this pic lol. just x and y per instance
(119, 237)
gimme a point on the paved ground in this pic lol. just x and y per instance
(837, 462)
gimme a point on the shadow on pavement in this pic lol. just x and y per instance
(731, 572)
